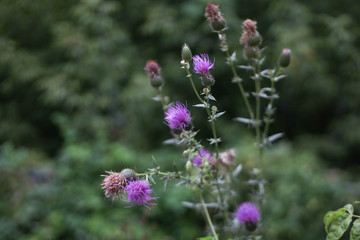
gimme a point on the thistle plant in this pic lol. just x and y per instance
(212, 171)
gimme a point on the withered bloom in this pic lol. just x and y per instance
(250, 35)
(213, 14)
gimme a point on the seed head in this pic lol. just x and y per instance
(227, 158)
(113, 184)
(213, 14)
(250, 35)
(153, 69)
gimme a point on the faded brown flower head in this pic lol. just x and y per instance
(113, 184)
(213, 14)
(249, 30)
(152, 68)
(227, 158)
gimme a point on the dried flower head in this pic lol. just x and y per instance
(213, 14)
(227, 158)
(204, 154)
(177, 116)
(113, 184)
(250, 35)
(248, 214)
(152, 68)
(139, 193)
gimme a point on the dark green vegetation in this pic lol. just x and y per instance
(75, 102)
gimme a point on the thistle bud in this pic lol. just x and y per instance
(207, 80)
(188, 165)
(254, 40)
(213, 14)
(128, 173)
(156, 82)
(250, 52)
(284, 59)
(186, 53)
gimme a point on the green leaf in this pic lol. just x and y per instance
(336, 223)
(355, 230)
(206, 238)
(349, 208)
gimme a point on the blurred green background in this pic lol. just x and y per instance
(76, 102)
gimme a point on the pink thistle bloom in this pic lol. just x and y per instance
(202, 65)
(248, 214)
(178, 116)
(203, 154)
(138, 192)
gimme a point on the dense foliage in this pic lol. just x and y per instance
(75, 101)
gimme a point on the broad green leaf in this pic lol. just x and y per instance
(349, 208)
(336, 223)
(329, 217)
(355, 230)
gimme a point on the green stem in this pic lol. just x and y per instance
(161, 99)
(258, 107)
(208, 216)
(241, 88)
(213, 128)
(268, 117)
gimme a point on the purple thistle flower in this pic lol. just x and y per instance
(138, 192)
(248, 214)
(178, 116)
(203, 154)
(202, 64)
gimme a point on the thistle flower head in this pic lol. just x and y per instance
(139, 193)
(177, 116)
(248, 214)
(250, 33)
(113, 184)
(227, 158)
(152, 68)
(202, 64)
(203, 154)
(213, 14)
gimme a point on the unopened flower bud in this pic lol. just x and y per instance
(284, 59)
(128, 173)
(188, 165)
(254, 40)
(186, 53)
(250, 52)
(156, 81)
(213, 14)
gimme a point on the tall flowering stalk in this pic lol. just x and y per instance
(212, 173)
